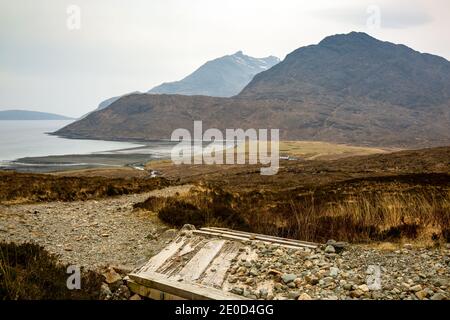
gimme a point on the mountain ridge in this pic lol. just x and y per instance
(341, 91)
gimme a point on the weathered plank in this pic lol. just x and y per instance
(153, 294)
(261, 237)
(201, 260)
(183, 289)
(239, 238)
(214, 276)
(159, 259)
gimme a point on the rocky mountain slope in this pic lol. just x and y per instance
(349, 89)
(222, 77)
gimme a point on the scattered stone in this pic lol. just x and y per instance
(288, 277)
(416, 288)
(438, 296)
(329, 249)
(422, 294)
(111, 276)
(304, 296)
(188, 227)
(293, 295)
(334, 271)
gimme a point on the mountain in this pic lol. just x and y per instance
(221, 77)
(356, 65)
(349, 88)
(30, 115)
(106, 103)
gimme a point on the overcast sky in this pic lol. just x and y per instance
(123, 46)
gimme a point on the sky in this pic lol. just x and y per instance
(66, 57)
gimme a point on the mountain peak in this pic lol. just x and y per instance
(352, 37)
(222, 77)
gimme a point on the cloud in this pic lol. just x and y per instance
(392, 16)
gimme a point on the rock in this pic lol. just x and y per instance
(123, 292)
(105, 292)
(135, 297)
(170, 233)
(111, 276)
(291, 285)
(347, 286)
(188, 227)
(329, 249)
(312, 280)
(416, 288)
(237, 290)
(288, 277)
(356, 293)
(364, 288)
(422, 294)
(308, 264)
(298, 282)
(293, 295)
(304, 296)
(263, 292)
(334, 271)
(407, 246)
(438, 296)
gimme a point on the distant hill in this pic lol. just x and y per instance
(30, 115)
(221, 77)
(349, 88)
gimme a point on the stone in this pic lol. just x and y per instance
(237, 290)
(416, 288)
(308, 264)
(422, 294)
(135, 297)
(291, 285)
(438, 296)
(304, 296)
(263, 292)
(111, 276)
(123, 292)
(334, 271)
(105, 292)
(364, 288)
(288, 277)
(293, 295)
(356, 293)
(329, 249)
(407, 246)
(188, 227)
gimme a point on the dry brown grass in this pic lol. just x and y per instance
(28, 272)
(18, 188)
(415, 207)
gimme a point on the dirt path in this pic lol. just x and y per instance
(90, 233)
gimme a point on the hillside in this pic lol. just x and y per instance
(222, 77)
(347, 89)
(30, 115)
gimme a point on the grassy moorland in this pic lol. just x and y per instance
(381, 197)
(16, 188)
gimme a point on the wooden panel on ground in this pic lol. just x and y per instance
(195, 265)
